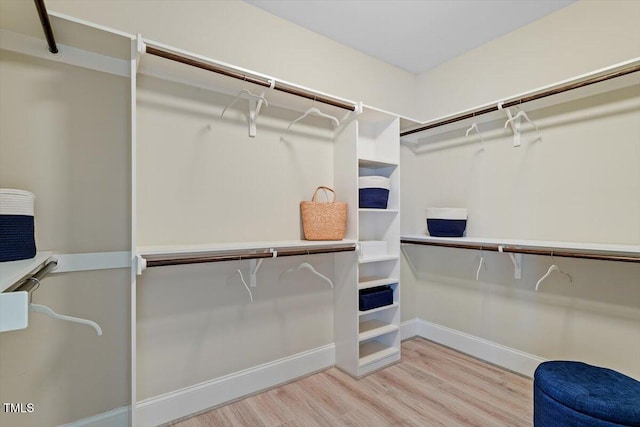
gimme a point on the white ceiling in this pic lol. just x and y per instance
(415, 35)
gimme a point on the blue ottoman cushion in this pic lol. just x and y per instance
(575, 393)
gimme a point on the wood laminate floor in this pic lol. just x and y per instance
(432, 386)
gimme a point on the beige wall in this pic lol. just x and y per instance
(580, 183)
(238, 33)
(73, 153)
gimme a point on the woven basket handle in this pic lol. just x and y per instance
(315, 193)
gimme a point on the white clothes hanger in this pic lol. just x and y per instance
(479, 265)
(474, 126)
(314, 111)
(244, 283)
(551, 270)
(523, 115)
(47, 311)
(250, 95)
(307, 266)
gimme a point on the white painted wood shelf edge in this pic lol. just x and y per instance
(599, 248)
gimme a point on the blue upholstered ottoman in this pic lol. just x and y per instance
(567, 394)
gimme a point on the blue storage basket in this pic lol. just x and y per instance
(373, 192)
(375, 297)
(446, 222)
(17, 239)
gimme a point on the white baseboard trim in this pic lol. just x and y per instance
(409, 329)
(498, 354)
(115, 418)
(197, 398)
(200, 397)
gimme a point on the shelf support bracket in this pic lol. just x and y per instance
(516, 259)
(141, 49)
(141, 264)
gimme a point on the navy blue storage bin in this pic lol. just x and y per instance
(446, 222)
(16, 225)
(446, 227)
(374, 198)
(375, 297)
(373, 192)
(16, 238)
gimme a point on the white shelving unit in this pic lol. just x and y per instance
(369, 340)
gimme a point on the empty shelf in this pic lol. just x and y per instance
(378, 259)
(373, 351)
(374, 328)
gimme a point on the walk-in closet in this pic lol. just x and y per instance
(274, 213)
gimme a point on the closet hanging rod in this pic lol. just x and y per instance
(160, 261)
(527, 251)
(46, 25)
(527, 98)
(32, 282)
(261, 81)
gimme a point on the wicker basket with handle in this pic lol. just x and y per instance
(324, 220)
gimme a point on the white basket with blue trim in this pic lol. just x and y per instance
(373, 192)
(17, 240)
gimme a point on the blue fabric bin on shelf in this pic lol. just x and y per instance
(17, 239)
(568, 393)
(375, 297)
(373, 192)
(446, 222)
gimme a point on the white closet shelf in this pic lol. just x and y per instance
(70, 32)
(383, 308)
(378, 259)
(374, 328)
(381, 211)
(614, 252)
(376, 163)
(12, 272)
(373, 281)
(373, 351)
